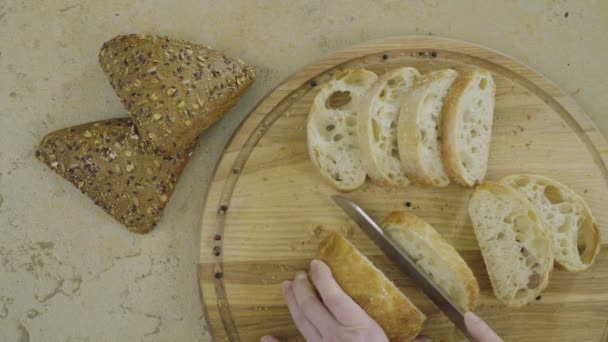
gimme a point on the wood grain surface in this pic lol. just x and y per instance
(267, 209)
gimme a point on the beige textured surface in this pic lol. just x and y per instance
(68, 272)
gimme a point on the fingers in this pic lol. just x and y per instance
(479, 329)
(269, 339)
(344, 309)
(307, 330)
(311, 305)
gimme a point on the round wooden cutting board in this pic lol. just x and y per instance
(267, 209)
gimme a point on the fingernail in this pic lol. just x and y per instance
(473, 317)
(314, 263)
(286, 285)
(300, 275)
(264, 339)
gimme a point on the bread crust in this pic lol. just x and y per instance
(451, 119)
(369, 157)
(410, 140)
(498, 188)
(369, 287)
(590, 230)
(108, 162)
(172, 89)
(401, 221)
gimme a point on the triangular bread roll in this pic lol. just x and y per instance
(108, 162)
(172, 89)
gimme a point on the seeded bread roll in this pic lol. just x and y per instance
(369, 287)
(172, 89)
(108, 162)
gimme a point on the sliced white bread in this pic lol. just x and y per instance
(377, 125)
(468, 112)
(576, 237)
(333, 144)
(419, 128)
(514, 242)
(435, 256)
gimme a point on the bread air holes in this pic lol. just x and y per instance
(565, 226)
(351, 121)
(395, 153)
(565, 208)
(383, 94)
(553, 194)
(338, 99)
(376, 130)
(338, 137)
(330, 128)
(521, 182)
(483, 83)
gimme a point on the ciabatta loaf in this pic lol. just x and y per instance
(369, 287)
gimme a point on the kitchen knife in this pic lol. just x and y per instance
(373, 230)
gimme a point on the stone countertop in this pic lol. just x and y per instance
(68, 271)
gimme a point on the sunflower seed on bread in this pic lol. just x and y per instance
(172, 89)
(108, 162)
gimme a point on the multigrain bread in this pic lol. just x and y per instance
(370, 288)
(435, 257)
(468, 112)
(333, 144)
(514, 242)
(575, 236)
(377, 126)
(419, 128)
(108, 162)
(172, 89)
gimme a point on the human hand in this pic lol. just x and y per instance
(333, 317)
(479, 329)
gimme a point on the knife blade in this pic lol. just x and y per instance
(405, 263)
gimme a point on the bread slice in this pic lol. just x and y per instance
(370, 288)
(514, 242)
(333, 144)
(468, 112)
(420, 120)
(576, 237)
(377, 126)
(435, 256)
(108, 162)
(172, 89)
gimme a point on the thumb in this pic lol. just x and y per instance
(479, 329)
(269, 339)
